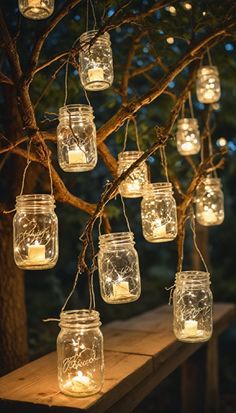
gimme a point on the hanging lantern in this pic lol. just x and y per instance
(210, 202)
(35, 229)
(118, 266)
(188, 137)
(208, 84)
(76, 136)
(80, 353)
(96, 64)
(192, 306)
(158, 211)
(36, 9)
(132, 186)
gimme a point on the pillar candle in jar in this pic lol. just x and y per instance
(76, 156)
(96, 74)
(36, 252)
(190, 327)
(121, 290)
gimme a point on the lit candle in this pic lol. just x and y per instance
(96, 74)
(133, 186)
(209, 94)
(78, 383)
(121, 290)
(76, 156)
(159, 231)
(209, 216)
(36, 252)
(187, 147)
(190, 328)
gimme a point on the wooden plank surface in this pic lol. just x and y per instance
(139, 354)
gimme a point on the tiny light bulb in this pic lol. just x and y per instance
(170, 40)
(187, 6)
(172, 10)
(221, 142)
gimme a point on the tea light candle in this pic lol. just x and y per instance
(76, 156)
(36, 252)
(209, 216)
(187, 147)
(78, 383)
(121, 290)
(190, 328)
(96, 74)
(159, 231)
(209, 94)
(133, 186)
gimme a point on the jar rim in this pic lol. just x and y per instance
(211, 181)
(157, 185)
(92, 33)
(193, 272)
(83, 317)
(35, 197)
(184, 120)
(116, 235)
(116, 238)
(75, 107)
(209, 67)
(127, 154)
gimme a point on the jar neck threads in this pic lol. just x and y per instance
(87, 37)
(84, 319)
(116, 239)
(75, 113)
(33, 202)
(192, 279)
(157, 188)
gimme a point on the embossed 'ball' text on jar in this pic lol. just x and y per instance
(80, 354)
(188, 136)
(36, 9)
(208, 84)
(118, 267)
(192, 306)
(210, 202)
(96, 63)
(76, 138)
(158, 212)
(132, 186)
(35, 232)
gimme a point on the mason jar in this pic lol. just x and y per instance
(192, 306)
(210, 202)
(188, 136)
(36, 9)
(132, 186)
(208, 84)
(76, 138)
(118, 267)
(96, 64)
(80, 355)
(158, 212)
(35, 232)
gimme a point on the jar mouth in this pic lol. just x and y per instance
(35, 200)
(192, 278)
(210, 181)
(187, 120)
(116, 238)
(206, 69)
(75, 109)
(80, 318)
(157, 186)
(87, 36)
(129, 155)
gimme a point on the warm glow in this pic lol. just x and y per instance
(170, 40)
(187, 6)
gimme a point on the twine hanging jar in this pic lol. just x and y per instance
(132, 186)
(118, 267)
(76, 138)
(210, 202)
(158, 212)
(192, 306)
(96, 63)
(80, 353)
(36, 9)
(208, 84)
(35, 232)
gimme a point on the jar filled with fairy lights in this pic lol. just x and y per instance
(35, 232)
(208, 84)
(80, 353)
(76, 138)
(118, 267)
(192, 306)
(210, 202)
(96, 63)
(188, 136)
(132, 186)
(158, 212)
(36, 9)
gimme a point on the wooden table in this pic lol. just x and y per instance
(139, 353)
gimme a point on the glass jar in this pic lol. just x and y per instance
(80, 356)
(158, 212)
(35, 232)
(76, 138)
(210, 202)
(208, 84)
(96, 64)
(36, 9)
(188, 136)
(192, 306)
(118, 267)
(132, 186)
